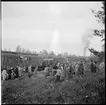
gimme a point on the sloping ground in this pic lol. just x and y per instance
(87, 90)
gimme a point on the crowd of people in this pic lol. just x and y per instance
(61, 71)
(65, 71)
(16, 72)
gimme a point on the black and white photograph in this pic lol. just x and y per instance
(52, 52)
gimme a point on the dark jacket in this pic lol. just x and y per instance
(93, 68)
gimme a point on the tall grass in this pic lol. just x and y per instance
(87, 90)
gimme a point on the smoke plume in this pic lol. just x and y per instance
(86, 38)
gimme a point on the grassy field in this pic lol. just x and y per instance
(37, 90)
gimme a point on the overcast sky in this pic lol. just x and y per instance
(46, 25)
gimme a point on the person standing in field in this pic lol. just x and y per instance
(73, 65)
(67, 72)
(50, 70)
(58, 64)
(71, 71)
(76, 68)
(16, 72)
(81, 68)
(29, 71)
(62, 72)
(93, 66)
(57, 76)
(4, 74)
(35, 71)
(85, 66)
(102, 66)
(47, 72)
(12, 74)
(19, 71)
(9, 72)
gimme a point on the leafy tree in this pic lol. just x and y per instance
(100, 15)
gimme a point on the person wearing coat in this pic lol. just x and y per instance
(81, 69)
(19, 71)
(67, 73)
(4, 74)
(35, 71)
(76, 68)
(12, 74)
(93, 67)
(47, 72)
(30, 71)
(102, 66)
(62, 72)
(9, 72)
(16, 72)
(57, 76)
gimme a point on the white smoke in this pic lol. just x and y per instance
(86, 39)
(55, 43)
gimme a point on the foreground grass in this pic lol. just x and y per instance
(87, 90)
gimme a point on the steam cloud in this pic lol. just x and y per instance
(86, 38)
